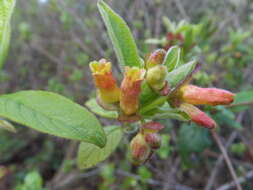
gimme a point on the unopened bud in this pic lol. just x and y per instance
(140, 150)
(153, 140)
(107, 88)
(156, 77)
(156, 58)
(197, 116)
(209, 96)
(130, 90)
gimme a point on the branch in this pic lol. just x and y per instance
(227, 159)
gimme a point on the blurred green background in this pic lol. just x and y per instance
(54, 40)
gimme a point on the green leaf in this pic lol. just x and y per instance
(6, 9)
(7, 126)
(193, 138)
(89, 155)
(241, 100)
(95, 108)
(172, 58)
(180, 74)
(147, 94)
(122, 39)
(170, 114)
(53, 114)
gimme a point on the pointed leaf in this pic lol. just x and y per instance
(90, 155)
(7, 126)
(53, 114)
(172, 58)
(6, 9)
(178, 75)
(95, 108)
(121, 36)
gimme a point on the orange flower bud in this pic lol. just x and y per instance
(153, 140)
(107, 88)
(139, 149)
(156, 58)
(210, 96)
(131, 89)
(197, 116)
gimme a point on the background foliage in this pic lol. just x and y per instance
(51, 46)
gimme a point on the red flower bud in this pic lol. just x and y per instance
(210, 96)
(156, 58)
(197, 116)
(140, 150)
(153, 140)
(131, 89)
(107, 88)
(152, 127)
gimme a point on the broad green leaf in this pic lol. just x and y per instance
(180, 74)
(95, 108)
(7, 126)
(121, 36)
(172, 58)
(90, 155)
(6, 9)
(193, 138)
(53, 114)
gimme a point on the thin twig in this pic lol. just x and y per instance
(218, 163)
(240, 180)
(227, 159)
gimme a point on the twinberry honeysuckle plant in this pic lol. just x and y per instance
(157, 87)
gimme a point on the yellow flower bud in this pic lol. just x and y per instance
(107, 88)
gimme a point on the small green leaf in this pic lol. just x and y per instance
(172, 58)
(121, 37)
(170, 26)
(89, 155)
(180, 74)
(6, 9)
(7, 126)
(147, 94)
(53, 114)
(170, 114)
(95, 108)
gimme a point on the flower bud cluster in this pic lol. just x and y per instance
(145, 142)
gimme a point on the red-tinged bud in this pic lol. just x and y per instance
(197, 116)
(156, 58)
(210, 96)
(131, 89)
(156, 77)
(153, 140)
(107, 88)
(152, 127)
(139, 149)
